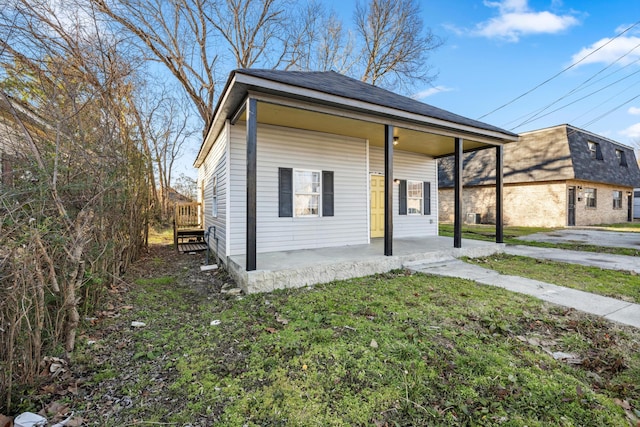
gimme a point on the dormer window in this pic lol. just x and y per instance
(622, 159)
(594, 149)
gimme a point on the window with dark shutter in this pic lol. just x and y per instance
(598, 152)
(285, 192)
(327, 193)
(427, 198)
(402, 197)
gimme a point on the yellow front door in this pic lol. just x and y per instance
(377, 206)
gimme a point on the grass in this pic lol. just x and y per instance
(625, 226)
(391, 349)
(616, 284)
(512, 234)
(162, 236)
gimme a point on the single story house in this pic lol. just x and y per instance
(554, 177)
(296, 161)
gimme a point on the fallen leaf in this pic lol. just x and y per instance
(374, 344)
(75, 422)
(623, 404)
(271, 330)
(281, 319)
(6, 421)
(56, 409)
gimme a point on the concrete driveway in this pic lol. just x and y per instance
(588, 236)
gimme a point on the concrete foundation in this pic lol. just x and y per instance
(295, 269)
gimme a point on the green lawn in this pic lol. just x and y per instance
(389, 350)
(616, 284)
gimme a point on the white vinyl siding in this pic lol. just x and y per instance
(279, 147)
(412, 167)
(214, 169)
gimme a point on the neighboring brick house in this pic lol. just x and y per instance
(553, 177)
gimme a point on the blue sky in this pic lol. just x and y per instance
(495, 51)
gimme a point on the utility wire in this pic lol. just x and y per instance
(623, 91)
(616, 71)
(538, 116)
(559, 73)
(534, 116)
(610, 111)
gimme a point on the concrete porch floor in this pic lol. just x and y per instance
(294, 269)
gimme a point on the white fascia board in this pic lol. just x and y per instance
(216, 125)
(373, 108)
(319, 108)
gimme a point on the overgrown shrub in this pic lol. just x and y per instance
(74, 189)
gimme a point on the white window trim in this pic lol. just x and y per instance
(595, 198)
(295, 193)
(614, 199)
(421, 198)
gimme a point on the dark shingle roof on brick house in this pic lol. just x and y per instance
(559, 153)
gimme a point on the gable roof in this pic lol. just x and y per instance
(343, 97)
(558, 153)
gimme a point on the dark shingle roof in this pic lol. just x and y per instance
(333, 83)
(554, 154)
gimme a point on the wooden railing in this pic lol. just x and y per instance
(188, 215)
(188, 223)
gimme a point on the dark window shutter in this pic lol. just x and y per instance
(623, 159)
(402, 197)
(327, 193)
(427, 198)
(285, 192)
(598, 152)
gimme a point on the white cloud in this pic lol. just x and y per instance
(610, 50)
(634, 111)
(516, 19)
(632, 131)
(431, 91)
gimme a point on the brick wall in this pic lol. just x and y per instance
(536, 204)
(603, 213)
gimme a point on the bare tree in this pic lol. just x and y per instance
(316, 40)
(167, 125)
(177, 33)
(395, 44)
(250, 27)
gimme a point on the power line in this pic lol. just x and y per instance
(623, 91)
(559, 73)
(531, 117)
(610, 111)
(538, 116)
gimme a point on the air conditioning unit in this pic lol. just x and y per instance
(473, 218)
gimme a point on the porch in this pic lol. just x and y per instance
(294, 269)
(188, 230)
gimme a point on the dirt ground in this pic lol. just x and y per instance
(94, 394)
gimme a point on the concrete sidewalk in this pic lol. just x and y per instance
(609, 308)
(595, 259)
